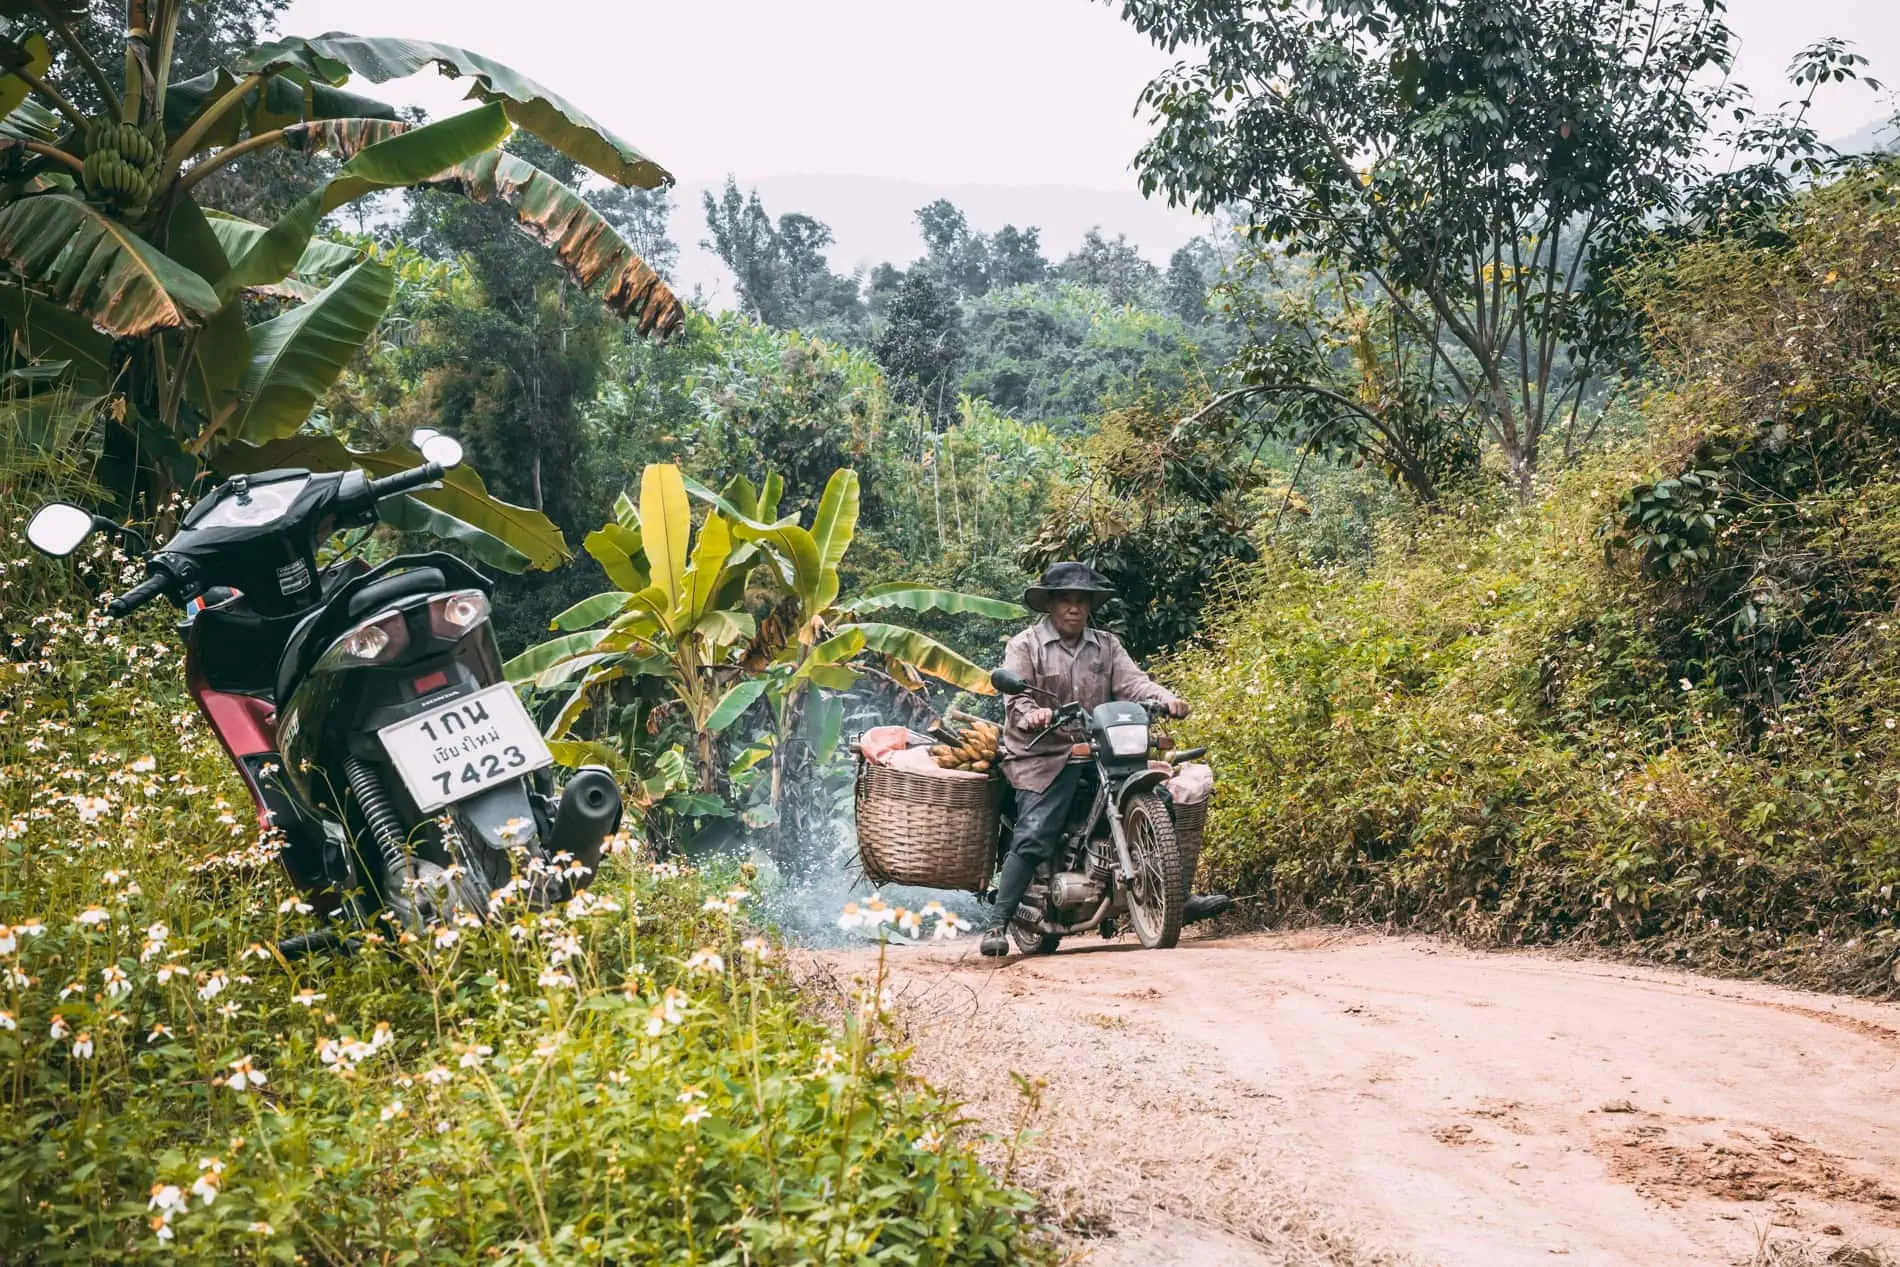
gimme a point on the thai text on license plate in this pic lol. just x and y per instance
(464, 746)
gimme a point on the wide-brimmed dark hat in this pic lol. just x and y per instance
(1079, 577)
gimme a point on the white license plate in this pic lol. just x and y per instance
(464, 746)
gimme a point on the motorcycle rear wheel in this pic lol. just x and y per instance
(1156, 896)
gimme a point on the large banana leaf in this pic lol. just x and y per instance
(31, 121)
(733, 703)
(824, 722)
(619, 552)
(832, 529)
(791, 543)
(331, 57)
(279, 102)
(76, 254)
(592, 611)
(343, 139)
(295, 357)
(217, 355)
(723, 628)
(665, 523)
(406, 514)
(321, 260)
(462, 495)
(925, 598)
(50, 332)
(924, 654)
(600, 260)
(576, 703)
(709, 565)
(541, 657)
(399, 159)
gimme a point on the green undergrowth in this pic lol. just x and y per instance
(1656, 710)
(631, 1078)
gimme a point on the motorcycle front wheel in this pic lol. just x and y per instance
(1155, 895)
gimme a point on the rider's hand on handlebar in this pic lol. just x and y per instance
(1177, 708)
(1039, 718)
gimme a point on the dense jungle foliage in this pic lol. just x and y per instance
(1655, 706)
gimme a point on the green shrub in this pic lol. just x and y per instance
(1659, 706)
(631, 1078)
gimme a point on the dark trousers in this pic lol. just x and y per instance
(1040, 817)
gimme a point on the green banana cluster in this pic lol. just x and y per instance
(121, 164)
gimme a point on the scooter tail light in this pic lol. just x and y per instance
(453, 615)
(376, 641)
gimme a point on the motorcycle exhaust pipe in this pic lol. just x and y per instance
(589, 812)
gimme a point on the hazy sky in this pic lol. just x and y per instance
(978, 91)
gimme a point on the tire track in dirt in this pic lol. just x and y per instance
(1342, 1099)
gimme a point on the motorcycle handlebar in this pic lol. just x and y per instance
(405, 481)
(139, 595)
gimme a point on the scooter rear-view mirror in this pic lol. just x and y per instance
(1006, 682)
(57, 528)
(444, 451)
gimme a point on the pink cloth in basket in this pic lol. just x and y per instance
(878, 743)
(1192, 784)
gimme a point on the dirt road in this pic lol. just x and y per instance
(1326, 1098)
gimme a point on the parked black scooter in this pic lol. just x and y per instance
(365, 708)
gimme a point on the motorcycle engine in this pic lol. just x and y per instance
(1074, 896)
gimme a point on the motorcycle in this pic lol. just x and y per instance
(364, 707)
(1118, 855)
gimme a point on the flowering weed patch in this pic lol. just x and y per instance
(628, 1078)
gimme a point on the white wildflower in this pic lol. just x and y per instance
(244, 1075)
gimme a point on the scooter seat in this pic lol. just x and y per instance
(317, 630)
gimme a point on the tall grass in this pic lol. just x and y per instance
(630, 1078)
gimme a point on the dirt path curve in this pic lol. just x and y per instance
(1348, 1099)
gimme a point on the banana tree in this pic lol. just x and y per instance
(688, 610)
(679, 616)
(111, 269)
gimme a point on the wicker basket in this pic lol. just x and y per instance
(934, 833)
(1190, 824)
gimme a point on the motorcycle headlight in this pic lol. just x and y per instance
(377, 640)
(1127, 740)
(455, 614)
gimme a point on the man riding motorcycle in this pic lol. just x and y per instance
(1067, 660)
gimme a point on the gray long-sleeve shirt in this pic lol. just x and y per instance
(1092, 671)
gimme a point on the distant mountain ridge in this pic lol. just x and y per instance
(873, 219)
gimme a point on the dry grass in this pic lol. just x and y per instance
(1781, 1252)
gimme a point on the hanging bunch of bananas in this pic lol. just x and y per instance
(970, 745)
(121, 165)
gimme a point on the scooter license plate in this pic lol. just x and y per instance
(464, 746)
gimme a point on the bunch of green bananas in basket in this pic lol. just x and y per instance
(121, 165)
